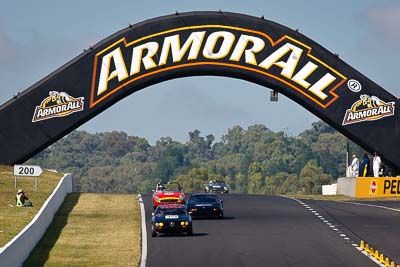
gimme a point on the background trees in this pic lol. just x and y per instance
(255, 160)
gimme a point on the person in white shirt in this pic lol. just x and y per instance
(355, 164)
(376, 164)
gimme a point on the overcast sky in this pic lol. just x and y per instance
(37, 37)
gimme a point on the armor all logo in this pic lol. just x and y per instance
(368, 108)
(57, 104)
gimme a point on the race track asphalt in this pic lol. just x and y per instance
(377, 226)
(257, 230)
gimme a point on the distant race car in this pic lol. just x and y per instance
(171, 219)
(205, 205)
(172, 192)
(216, 186)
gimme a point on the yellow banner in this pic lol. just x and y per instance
(377, 187)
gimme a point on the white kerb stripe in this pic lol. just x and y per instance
(144, 232)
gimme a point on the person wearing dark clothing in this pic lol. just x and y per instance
(387, 171)
(365, 166)
(20, 199)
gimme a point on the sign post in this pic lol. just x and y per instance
(27, 170)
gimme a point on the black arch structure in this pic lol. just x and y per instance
(194, 44)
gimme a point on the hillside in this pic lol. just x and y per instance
(252, 160)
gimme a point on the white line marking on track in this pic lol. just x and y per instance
(346, 238)
(370, 205)
(372, 258)
(144, 233)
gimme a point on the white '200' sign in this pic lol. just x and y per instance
(27, 170)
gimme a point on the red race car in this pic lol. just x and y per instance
(171, 193)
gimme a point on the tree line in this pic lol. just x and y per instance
(255, 160)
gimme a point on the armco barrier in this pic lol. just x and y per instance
(15, 252)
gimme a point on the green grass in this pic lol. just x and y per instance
(13, 219)
(92, 230)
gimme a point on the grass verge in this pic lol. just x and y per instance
(13, 219)
(92, 230)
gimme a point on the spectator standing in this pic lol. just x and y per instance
(355, 164)
(376, 164)
(387, 171)
(365, 166)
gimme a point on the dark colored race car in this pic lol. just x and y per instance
(171, 219)
(216, 186)
(172, 192)
(205, 205)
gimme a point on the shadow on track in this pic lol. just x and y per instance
(212, 219)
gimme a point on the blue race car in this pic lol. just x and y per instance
(171, 219)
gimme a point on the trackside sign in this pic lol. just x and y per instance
(286, 60)
(377, 187)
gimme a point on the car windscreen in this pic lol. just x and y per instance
(172, 187)
(170, 211)
(203, 199)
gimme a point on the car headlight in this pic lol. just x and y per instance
(225, 187)
(160, 224)
(181, 198)
(185, 223)
(157, 198)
